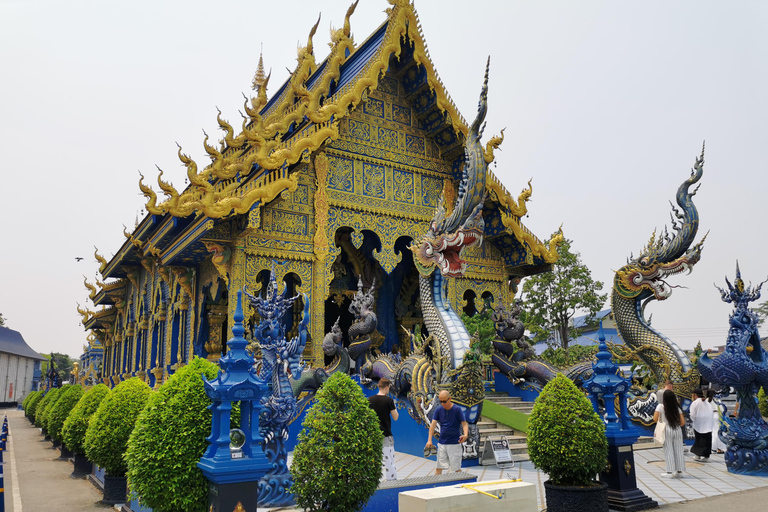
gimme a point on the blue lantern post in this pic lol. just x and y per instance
(234, 461)
(607, 382)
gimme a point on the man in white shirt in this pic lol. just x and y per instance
(703, 424)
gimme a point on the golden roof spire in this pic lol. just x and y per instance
(260, 77)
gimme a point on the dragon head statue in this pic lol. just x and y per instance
(450, 233)
(666, 255)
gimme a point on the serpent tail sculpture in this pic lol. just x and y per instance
(280, 361)
(744, 366)
(642, 280)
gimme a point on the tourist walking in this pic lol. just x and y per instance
(717, 444)
(384, 407)
(452, 422)
(673, 434)
(701, 416)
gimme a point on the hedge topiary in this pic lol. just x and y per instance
(169, 440)
(28, 399)
(59, 411)
(762, 402)
(566, 438)
(32, 404)
(337, 462)
(41, 414)
(76, 424)
(111, 425)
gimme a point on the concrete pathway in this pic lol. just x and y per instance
(701, 480)
(35, 479)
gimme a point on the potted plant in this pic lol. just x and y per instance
(168, 441)
(58, 413)
(32, 406)
(41, 414)
(76, 425)
(566, 440)
(108, 432)
(31, 397)
(337, 446)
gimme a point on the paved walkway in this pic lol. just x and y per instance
(35, 479)
(701, 480)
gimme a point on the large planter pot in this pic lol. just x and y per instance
(83, 466)
(56, 443)
(66, 453)
(576, 499)
(114, 489)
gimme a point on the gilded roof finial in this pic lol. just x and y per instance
(260, 77)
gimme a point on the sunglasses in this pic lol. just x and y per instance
(445, 401)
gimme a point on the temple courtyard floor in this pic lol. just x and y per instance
(35, 479)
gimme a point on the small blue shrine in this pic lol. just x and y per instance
(234, 468)
(608, 383)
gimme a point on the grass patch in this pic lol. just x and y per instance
(506, 416)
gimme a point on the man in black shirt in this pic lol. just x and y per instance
(384, 407)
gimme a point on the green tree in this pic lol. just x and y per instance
(70, 396)
(762, 313)
(550, 300)
(337, 463)
(2, 319)
(76, 423)
(482, 327)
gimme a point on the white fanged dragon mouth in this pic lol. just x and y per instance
(449, 253)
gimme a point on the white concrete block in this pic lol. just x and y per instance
(517, 496)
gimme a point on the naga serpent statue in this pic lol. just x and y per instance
(280, 361)
(515, 358)
(641, 281)
(744, 366)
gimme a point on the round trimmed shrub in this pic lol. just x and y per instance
(33, 403)
(25, 402)
(337, 462)
(168, 441)
(111, 425)
(41, 414)
(59, 411)
(566, 438)
(76, 424)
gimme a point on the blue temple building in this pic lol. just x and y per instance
(329, 180)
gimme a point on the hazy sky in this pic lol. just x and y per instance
(605, 105)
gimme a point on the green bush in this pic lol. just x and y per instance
(59, 411)
(566, 438)
(41, 414)
(562, 358)
(111, 425)
(33, 403)
(337, 463)
(77, 422)
(168, 441)
(26, 401)
(762, 402)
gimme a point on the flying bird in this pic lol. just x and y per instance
(78, 258)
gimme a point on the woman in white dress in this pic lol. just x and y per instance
(673, 435)
(717, 444)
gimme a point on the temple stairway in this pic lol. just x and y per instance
(516, 438)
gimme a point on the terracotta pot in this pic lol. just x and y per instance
(576, 499)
